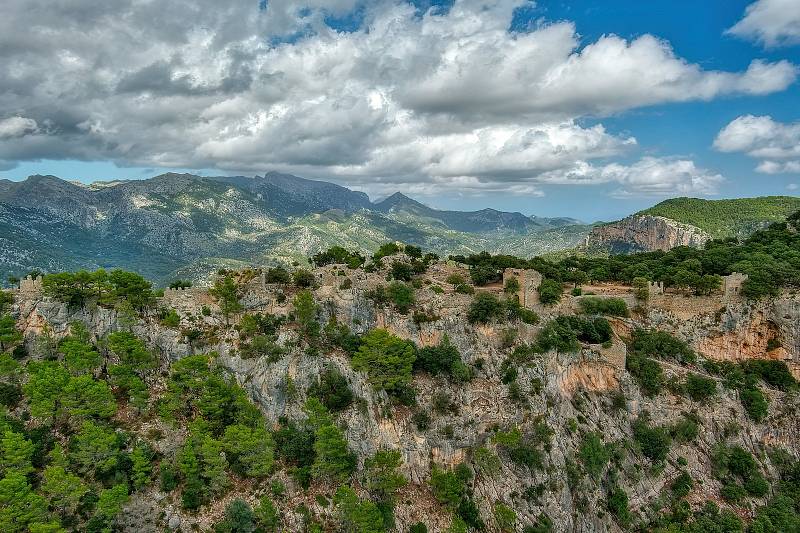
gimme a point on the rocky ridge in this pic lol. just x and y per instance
(571, 392)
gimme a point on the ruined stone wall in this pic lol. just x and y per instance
(529, 281)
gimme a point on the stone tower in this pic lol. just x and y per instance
(529, 281)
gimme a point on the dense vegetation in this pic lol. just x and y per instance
(726, 218)
(770, 257)
(73, 450)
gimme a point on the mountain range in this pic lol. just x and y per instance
(183, 225)
(186, 225)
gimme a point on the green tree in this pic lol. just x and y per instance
(382, 477)
(8, 332)
(484, 308)
(641, 289)
(332, 390)
(239, 518)
(357, 515)
(63, 489)
(45, 387)
(550, 291)
(305, 310)
(333, 459)
(131, 351)
(85, 397)
(267, 515)
(449, 486)
(227, 294)
(6, 299)
(132, 287)
(110, 501)
(19, 505)
(249, 450)
(16, 453)
(387, 359)
(79, 356)
(94, 449)
(141, 466)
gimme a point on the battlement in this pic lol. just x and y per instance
(31, 285)
(179, 292)
(529, 281)
(655, 288)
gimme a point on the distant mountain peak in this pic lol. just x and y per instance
(398, 199)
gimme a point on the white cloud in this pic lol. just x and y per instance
(429, 101)
(770, 22)
(776, 144)
(650, 176)
(16, 127)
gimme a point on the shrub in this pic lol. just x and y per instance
(661, 345)
(593, 454)
(385, 250)
(261, 346)
(442, 359)
(484, 308)
(647, 373)
(387, 359)
(774, 373)
(303, 278)
(401, 271)
(617, 505)
(550, 291)
(653, 441)
(700, 388)
(682, 485)
(754, 402)
(170, 318)
(687, 429)
(277, 275)
(336, 255)
(465, 289)
(455, 279)
(512, 286)
(604, 306)
(332, 390)
(505, 517)
(401, 295)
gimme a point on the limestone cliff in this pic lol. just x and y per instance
(571, 394)
(644, 233)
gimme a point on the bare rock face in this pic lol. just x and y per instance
(645, 233)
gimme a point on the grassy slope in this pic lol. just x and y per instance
(727, 218)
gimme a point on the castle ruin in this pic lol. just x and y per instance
(732, 284)
(30, 285)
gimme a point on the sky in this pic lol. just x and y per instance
(592, 110)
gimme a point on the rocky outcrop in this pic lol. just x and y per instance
(644, 233)
(569, 392)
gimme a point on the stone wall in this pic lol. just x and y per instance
(529, 281)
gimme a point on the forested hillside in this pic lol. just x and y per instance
(727, 218)
(399, 392)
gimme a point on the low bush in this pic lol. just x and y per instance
(604, 306)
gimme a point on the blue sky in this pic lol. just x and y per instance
(664, 131)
